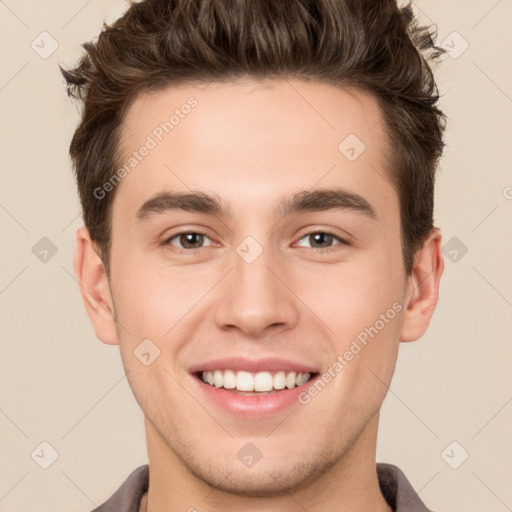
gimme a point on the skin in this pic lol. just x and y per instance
(251, 143)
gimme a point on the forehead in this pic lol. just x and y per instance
(254, 140)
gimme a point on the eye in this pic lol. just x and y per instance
(324, 239)
(188, 239)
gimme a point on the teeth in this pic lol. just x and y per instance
(290, 380)
(280, 380)
(244, 381)
(261, 381)
(302, 378)
(229, 379)
(218, 378)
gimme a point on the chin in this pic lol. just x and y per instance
(263, 480)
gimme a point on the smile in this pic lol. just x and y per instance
(260, 382)
(247, 388)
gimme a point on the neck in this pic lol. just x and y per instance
(350, 484)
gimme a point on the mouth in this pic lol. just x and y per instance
(254, 383)
(250, 389)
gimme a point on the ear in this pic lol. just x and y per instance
(423, 288)
(94, 287)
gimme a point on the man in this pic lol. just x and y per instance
(257, 183)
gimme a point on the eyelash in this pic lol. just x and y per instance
(167, 244)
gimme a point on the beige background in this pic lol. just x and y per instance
(59, 384)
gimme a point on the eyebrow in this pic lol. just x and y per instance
(303, 201)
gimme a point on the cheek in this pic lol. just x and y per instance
(367, 329)
(361, 303)
(352, 295)
(152, 303)
(157, 300)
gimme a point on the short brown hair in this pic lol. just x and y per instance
(374, 46)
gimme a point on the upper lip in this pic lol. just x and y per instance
(268, 364)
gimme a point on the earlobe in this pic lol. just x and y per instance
(94, 287)
(423, 288)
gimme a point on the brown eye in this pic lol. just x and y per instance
(322, 240)
(188, 240)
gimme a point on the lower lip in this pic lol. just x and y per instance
(253, 406)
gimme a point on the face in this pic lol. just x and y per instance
(286, 265)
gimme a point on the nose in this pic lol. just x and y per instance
(257, 297)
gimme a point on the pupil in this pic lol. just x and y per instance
(189, 238)
(319, 237)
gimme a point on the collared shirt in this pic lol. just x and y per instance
(394, 486)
